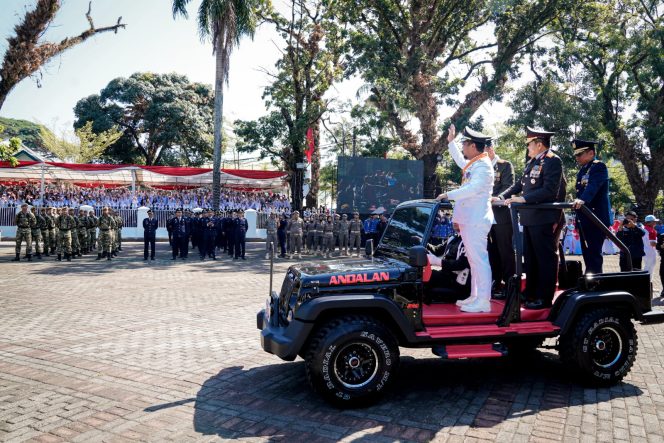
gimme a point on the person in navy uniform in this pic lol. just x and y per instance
(207, 228)
(196, 231)
(501, 251)
(180, 229)
(241, 228)
(592, 190)
(230, 233)
(150, 226)
(542, 182)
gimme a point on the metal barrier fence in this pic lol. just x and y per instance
(129, 216)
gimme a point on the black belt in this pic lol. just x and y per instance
(105, 229)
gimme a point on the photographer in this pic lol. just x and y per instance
(632, 236)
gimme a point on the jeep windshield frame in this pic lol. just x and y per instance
(410, 225)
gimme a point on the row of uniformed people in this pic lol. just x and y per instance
(543, 181)
(321, 234)
(207, 231)
(61, 231)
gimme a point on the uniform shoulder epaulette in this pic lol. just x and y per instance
(500, 160)
(550, 154)
(596, 161)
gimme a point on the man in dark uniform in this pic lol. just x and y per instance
(196, 229)
(501, 251)
(541, 183)
(241, 228)
(209, 226)
(150, 226)
(454, 272)
(230, 233)
(180, 230)
(592, 190)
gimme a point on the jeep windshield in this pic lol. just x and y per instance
(407, 228)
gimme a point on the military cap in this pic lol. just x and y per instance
(24, 205)
(476, 137)
(356, 213)
(150, 211)
(581, 146)
(344, 216)
(296, 212)
(178, 210)
(538, 134)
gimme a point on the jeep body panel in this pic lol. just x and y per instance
(578, 301)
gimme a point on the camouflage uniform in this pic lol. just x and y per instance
(25, 222)
(318, 235)
(271, 239)
(355, 227)
(328, 237)
(92, 231)
(45, 233)
(344, 226)
(295, 228)
(106, 225)
(65, 223)
(53, 230)
(75, 244)
(37, 232)
(119, 223)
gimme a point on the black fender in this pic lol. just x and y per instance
(579, 301)
(316, 308)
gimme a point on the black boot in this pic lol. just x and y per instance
(39, 256)
(59, 257)
(18, 257)
(99, 256)
(46, 253)
(108, 257)
(29, 257)
(68, 257)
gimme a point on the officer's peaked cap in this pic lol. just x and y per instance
(476, 137)
(580, 146)
(537, 133)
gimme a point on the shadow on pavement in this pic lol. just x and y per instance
(429, 395)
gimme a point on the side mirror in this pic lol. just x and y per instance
(368, 247)
(417, 256)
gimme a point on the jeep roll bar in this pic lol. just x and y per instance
(512, 310)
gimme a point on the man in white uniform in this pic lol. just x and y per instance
(473, 213)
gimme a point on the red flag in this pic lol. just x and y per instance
(310, 139)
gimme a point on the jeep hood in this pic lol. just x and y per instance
(351, 272)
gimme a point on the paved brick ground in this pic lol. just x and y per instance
(91, 351)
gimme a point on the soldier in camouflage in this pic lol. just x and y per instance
(328, 236)
(92, 231)
(106, 225)
(337, 220)
(119, 222)
(25, 221)
(295, 228)
(52, 229)
(65, 224)
(271, 239)
(37, 232)
(355, 227)
(344, 226)
(46, 241)
(75, 244)
(83, 230)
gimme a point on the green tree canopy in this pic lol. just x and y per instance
(87, 146)
(164, 118)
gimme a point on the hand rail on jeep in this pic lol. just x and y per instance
(512, 311)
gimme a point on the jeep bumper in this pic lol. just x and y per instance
(283, 341)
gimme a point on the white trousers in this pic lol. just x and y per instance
(650, 259)
(475, 241)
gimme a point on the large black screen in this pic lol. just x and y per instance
(375, 185)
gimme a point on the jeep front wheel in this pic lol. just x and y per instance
(601, 346)
(351, 360)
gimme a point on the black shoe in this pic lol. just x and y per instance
(243, 258)
(98, 257)
(151, 258)
(236, 258)
(68, 257)
(145, 259)
(537, 304)
(174, 258)
(500, 295)
(59, 257)
(29, 257)
(17, 258)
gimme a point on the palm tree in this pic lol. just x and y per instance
(224, 22)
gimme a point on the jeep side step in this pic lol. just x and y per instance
(459, 352)
(653, 317)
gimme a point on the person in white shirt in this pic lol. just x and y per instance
(473, 213)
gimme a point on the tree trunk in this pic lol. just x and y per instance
(296, 188)
(312, 197)
(430, 162)
(218, 119)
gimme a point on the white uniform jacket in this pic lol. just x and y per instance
(473, 198)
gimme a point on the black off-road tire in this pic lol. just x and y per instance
(600, 347)
(351, 360)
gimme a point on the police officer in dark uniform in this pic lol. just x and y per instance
(592, 190)
(150, 226)
(180, 230)
(209, 226)
(281, 235)
(230, 233)
(241, 228)
(542, 182)
(501, 251)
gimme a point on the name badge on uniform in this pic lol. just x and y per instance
(584, 180)
(496, 176)
(535, 172)
(466, 177)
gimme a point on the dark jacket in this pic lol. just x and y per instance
(592, 186)
(633, 239)
(449, 251)
(542, 182)
(503, 179)
(150, 227)
(179, 227)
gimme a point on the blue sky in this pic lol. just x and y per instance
(152, 41)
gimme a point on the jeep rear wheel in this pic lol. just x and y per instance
(600, 347)
(351, 360)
